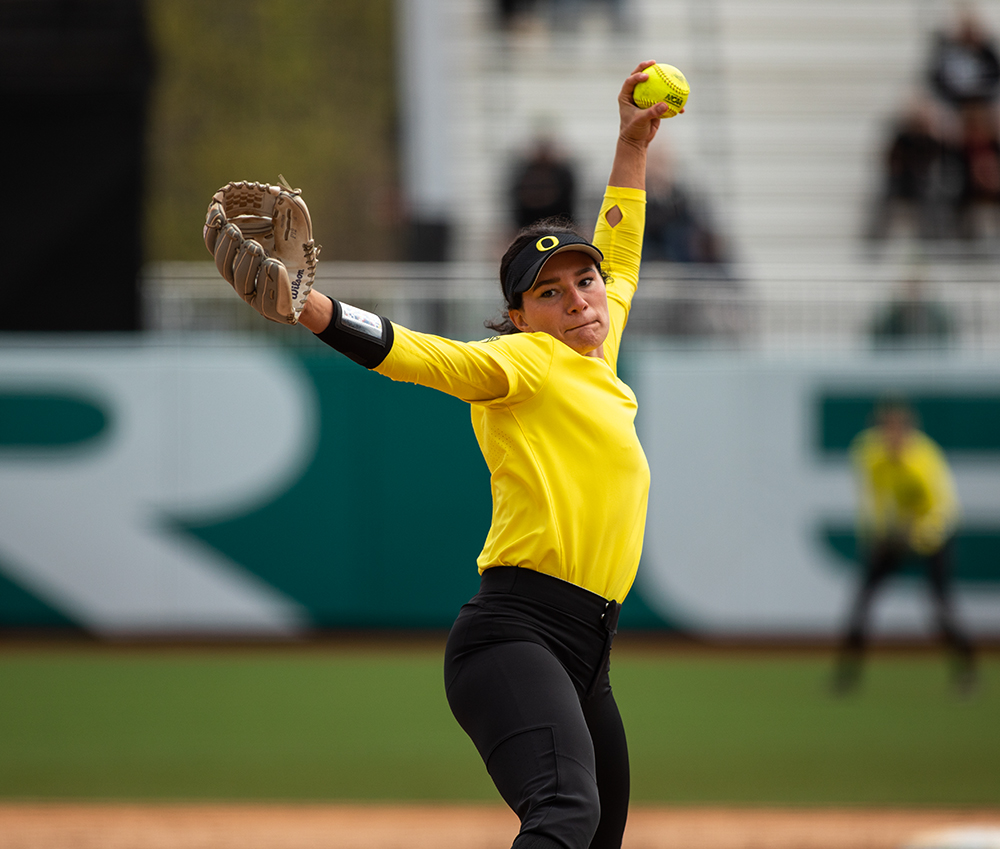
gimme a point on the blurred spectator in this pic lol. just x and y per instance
(924, 177)
(559, 15)
(908, 509)
(912, 319)
(512, 12)
(677, 228)
(980, 199)
(543, 184)
(964, 69)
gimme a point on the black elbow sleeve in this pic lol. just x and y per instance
(362, 336)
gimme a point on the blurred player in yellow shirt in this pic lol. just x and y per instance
(907, 508)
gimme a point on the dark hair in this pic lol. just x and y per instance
(502, 324)
(894, 404)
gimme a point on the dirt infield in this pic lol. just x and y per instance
(119, 826)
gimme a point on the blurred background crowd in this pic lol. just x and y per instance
(836, 179)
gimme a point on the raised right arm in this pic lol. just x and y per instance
(636, 129)
(621, 221)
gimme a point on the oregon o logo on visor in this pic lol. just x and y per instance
(546, 243)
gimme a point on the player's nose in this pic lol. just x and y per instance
(576, 302)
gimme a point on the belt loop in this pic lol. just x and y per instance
(612, 610)
(610, 619)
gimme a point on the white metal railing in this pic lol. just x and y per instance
(792, 305)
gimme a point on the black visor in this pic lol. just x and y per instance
(524, 268)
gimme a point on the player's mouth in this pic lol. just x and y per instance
(581, 326)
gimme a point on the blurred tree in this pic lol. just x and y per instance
(248, 89)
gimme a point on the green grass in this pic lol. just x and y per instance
(331, 724)
(766, 731)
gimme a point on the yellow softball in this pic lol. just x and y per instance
(665, 84)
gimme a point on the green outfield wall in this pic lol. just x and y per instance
(215, 485)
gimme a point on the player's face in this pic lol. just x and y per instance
(568, 301)
(896, 429)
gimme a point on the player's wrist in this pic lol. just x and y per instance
(359, 335)
(317, 313)
(633, 145)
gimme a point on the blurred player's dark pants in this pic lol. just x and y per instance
(526, 672)
(883, 560)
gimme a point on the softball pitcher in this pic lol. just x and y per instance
(527, 661)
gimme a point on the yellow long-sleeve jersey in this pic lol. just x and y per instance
(912, 495)
(569, 479)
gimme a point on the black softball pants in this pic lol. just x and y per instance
(883, 560)
(526, 674)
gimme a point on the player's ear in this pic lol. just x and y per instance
(517, 316)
